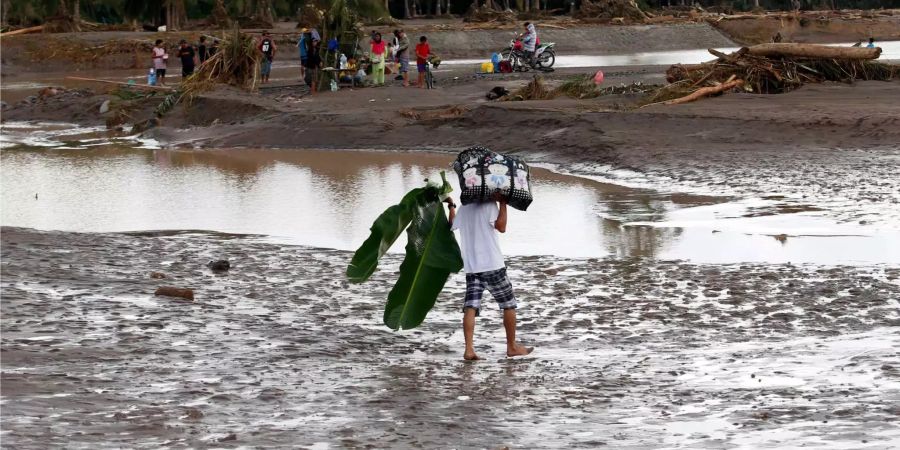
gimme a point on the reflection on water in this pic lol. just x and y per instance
(330, 198)
(318, 198)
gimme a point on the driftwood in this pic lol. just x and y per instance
(170, 291)
(706, 91)
(780, 73)
(36, 29)
(771, 69)
(813, 51)
(139, 86)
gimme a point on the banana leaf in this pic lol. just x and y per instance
(387, 228)
(432, 254)
(385, 231)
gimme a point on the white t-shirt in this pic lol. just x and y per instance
(159, 61)
(480, 242)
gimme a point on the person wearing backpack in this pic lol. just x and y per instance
(267, 48)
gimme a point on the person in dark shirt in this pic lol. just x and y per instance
(267, 48)
(186, 54)
(202, 52)
(313, 63)
(214, 48)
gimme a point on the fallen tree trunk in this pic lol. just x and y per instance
(702, 92)
(813, 51)
(36, 29)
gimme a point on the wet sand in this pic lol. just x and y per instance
(282, 352)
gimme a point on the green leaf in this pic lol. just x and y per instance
(385, 231)
(431, 255)
(387, 228)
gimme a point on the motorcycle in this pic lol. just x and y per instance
(544, 56)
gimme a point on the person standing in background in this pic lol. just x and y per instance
(186, 54)
(159, 62)
(202, 52)
(392, 46)
(267, 47)
(423, 50)
(378, 56)
(214, 48)
(302, 47)
(313, 63)
(403, 56)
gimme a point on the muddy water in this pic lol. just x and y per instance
(56, 177)
(325, 199)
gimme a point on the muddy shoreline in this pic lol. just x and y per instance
(281, 352)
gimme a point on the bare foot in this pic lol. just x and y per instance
(519, 350)
(471, 356)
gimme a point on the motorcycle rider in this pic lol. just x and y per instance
(529, 43)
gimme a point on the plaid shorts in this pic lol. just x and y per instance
(495, 281)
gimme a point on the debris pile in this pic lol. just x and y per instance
(536, 89)
(236, 63)
(616, 10)
(583, 86)
(780, 67)
(488, 14)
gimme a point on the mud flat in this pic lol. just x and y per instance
(281, 352)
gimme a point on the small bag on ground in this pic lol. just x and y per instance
(483, 173)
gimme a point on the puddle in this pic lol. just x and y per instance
(70, 180)
(890, 51)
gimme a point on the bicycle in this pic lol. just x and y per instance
(429, 76)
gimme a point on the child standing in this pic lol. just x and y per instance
(423, 50)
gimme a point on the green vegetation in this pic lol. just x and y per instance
(432, 254)
(160, 12)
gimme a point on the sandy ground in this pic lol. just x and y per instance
(281, 352)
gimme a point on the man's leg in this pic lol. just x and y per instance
(469, 333)
(471, 304)
(501, 288)
(509, 323)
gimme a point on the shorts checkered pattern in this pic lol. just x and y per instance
(495, 281)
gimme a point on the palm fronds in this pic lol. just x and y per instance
(236, 63)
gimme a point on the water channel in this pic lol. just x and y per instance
(61, 177)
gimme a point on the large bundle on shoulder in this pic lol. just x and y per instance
(484, 174)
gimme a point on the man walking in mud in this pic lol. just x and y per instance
(479, 224)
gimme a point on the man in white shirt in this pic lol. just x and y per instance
(485, 269)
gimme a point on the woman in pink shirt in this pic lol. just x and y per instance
(378, 55)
